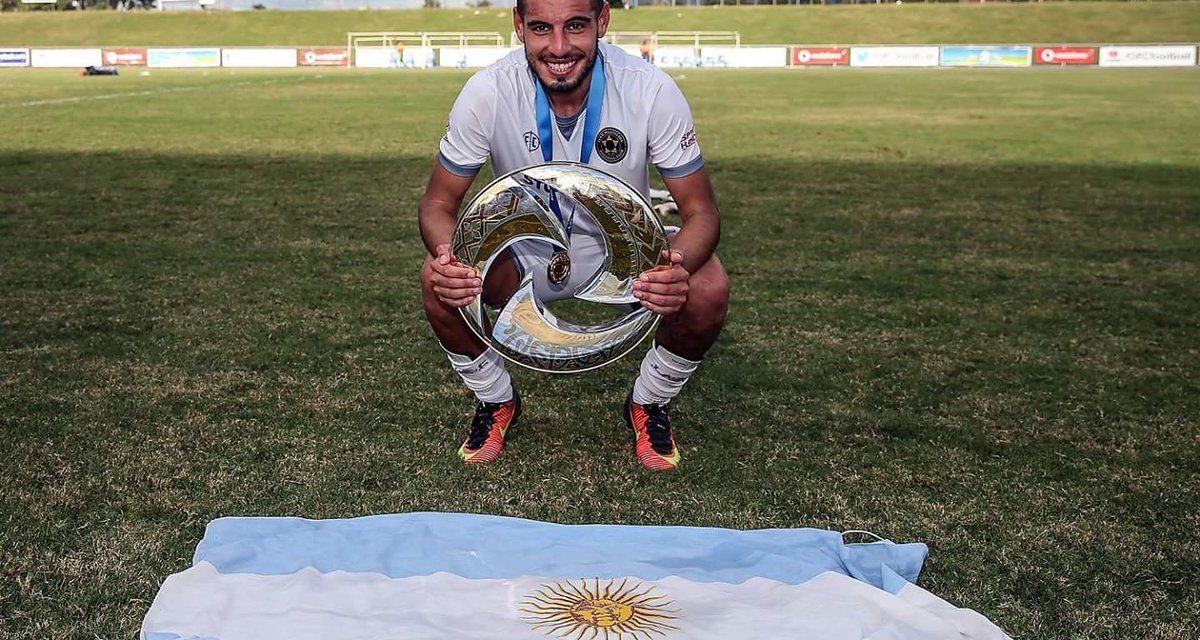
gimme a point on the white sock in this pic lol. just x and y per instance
(663, 375)
(486, 375)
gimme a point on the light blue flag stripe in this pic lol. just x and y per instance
(482, 547)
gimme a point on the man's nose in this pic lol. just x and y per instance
(558, 42)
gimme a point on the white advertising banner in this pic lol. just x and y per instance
(470, 57)
(258, 58)
(894, 56)
(374, 57)
(1149, 56)
(66, 58)
(676, 57)
(391, 58)
(744, 57)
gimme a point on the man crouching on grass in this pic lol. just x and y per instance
(642, 118)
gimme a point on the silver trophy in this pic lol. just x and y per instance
(546, 206)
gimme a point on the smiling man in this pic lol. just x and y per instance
(570, 96)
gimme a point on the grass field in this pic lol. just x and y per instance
(965, 312)
(989, 23)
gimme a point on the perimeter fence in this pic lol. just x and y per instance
(665, 49)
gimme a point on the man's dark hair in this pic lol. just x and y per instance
(597, 5)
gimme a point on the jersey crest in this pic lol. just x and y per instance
(532, 142)
(611, 145)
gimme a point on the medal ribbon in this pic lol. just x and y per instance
(591, 122)
(591, 125)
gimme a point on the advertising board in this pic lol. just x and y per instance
(1064, 55)
(14, 57)
(124, 57)
(65, 58)
(260, 58)
(676, 57)
(955, 56)
(390, 58)
(744, 57)
(470, 57)
(332, 57)
(820, 56)
(183, 58)
(1148, 56)
(894, 56)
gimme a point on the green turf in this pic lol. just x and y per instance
(964, 312)
(1098, 22)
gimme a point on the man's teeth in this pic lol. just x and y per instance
(560, 67)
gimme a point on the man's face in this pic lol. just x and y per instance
(560, 40)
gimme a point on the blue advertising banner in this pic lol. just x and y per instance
(14, 57)
(183, 57)
(986, 56)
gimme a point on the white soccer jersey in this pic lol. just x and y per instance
(645, 120)
(495, 117)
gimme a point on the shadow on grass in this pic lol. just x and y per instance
(997, 358)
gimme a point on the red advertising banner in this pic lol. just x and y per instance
(339, 57)
(124, 57)
(1064, 55)
(820, 55)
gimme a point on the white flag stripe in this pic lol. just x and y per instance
(202, 602)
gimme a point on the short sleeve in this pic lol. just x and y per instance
(465, 147)
(672, 133)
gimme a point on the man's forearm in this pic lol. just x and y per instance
(701, 231)
(438, 210)
(437, 224)
(697, 239)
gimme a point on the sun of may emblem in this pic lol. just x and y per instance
(593, 609)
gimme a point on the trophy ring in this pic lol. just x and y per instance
(549, 204)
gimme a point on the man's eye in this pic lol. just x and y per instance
(575, 27)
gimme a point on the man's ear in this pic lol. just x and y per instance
(518, 26)
(604, 17)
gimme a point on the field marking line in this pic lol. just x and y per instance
(148, 92)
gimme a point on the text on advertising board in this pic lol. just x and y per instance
(323, 57)
(893, 56)
(14, 57)
(743, 57)
(676, 57)
(124, 57)
(1064, 55)
(1148, 56)
(820, 55)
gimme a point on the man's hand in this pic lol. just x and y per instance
(663, 289)
(455, 283)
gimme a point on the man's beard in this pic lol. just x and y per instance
(563, 86)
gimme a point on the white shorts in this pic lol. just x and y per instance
(587, 255)
(533, 258)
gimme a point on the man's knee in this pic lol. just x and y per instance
(708, 296)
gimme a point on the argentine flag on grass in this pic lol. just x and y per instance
(432, 576)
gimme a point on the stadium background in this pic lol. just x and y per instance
(964, 312)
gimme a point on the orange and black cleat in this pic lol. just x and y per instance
(653, 443)
(492, 420)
